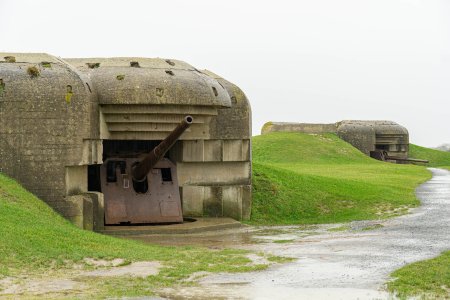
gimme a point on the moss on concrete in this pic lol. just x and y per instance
(33, 71)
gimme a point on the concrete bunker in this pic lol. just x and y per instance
(70, 147)
(382, 140)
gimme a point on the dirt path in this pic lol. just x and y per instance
(349, 264)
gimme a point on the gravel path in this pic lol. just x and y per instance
(343, 265)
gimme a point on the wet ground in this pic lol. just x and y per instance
(350, 261)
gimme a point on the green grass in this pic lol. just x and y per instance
(283, 241)
(305, 179)
(340, 228)
(429, 279)
(437, 158)
(36, 240)
(372, 227)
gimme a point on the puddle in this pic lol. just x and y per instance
(240, 290)
(244, 238)
(231, 238)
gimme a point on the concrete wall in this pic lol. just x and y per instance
(233, 127)
(359, 136)
(44, 126)
(298, 127)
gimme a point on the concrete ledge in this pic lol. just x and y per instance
(200, 225)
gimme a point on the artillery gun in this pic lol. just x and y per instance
(143, 188)
(384, 156)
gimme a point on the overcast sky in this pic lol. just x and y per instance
(300, 61)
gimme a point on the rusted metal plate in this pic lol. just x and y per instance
(159, 204)
(378, 154)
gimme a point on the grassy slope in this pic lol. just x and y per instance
(34, 239)
(437, 158)
(303, 179)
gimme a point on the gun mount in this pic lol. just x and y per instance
(143, 189)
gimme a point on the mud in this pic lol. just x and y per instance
(135, 269)
(72, 281)
(104, 263)
(39, 286)
(353, 263)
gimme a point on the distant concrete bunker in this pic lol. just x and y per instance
(76, 133)
(383, 140)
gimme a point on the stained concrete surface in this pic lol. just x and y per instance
(188, 226)
(348, 264)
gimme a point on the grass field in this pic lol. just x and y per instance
(304, 179)
(34, 240)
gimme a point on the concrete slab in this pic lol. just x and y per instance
(199, 225)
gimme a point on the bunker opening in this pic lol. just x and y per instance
(139, 180)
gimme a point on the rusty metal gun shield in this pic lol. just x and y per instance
(155, 199)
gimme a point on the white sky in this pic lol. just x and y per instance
(301, 61)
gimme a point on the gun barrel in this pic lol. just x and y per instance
(408, 159)
(141, 170)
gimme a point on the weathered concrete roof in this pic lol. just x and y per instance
(299, 127)
(137, 80)
(379, 126)
(127, 80)
(34, 58)
(53, 76)
(375, 126)
(144, 62)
